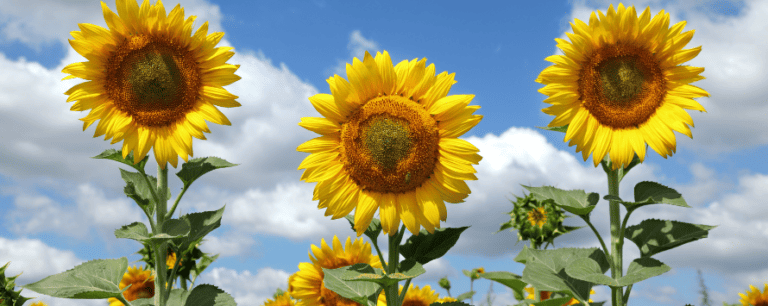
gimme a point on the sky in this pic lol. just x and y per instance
(59, 207)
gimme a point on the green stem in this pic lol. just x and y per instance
(154, 196)
(184, 284)
(161, 251)
(605, 249)
(405, 289)
(173, 208)
(381, 257)
(471, 288)
(173, 273)
(121, 298)
(616, 243)
(394, 261)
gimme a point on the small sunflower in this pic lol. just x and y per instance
(445, 299)
(754, 297)
(143, 285)
(620, 85)
(39, 303)
(171, 259)
(538, 217)
(545, 295)
(306, 285)
(389, 142)
(150, 83)
(415, 296)
(281, 300)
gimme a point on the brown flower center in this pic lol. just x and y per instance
(621, 85)
(537, 215)
(390, 145)
(153, 79)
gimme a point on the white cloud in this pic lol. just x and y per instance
(246, 288)
(357, 46)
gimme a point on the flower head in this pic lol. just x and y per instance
(754, 297)
(545, 295)
(537, 221)
(142, 285)
(281, 300)
(620, 85)
(149, 82)
(389, 144)
(415, 296)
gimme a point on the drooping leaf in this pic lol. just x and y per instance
(465, 296)
(511, 280)
(206, 295)
(641, 269)
(195, 168)
(427, 247)
(653, 236)
(576, 202)
(652, 193)
(128, 160)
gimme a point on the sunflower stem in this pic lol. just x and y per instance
(122, 299)
(381, 257)
(616, 239)
(173, 208)
(391, 291)
(161, 251)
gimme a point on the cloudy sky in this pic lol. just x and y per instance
(59, 207)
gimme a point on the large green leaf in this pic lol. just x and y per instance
(172, 228)
(201, 224)
(95, 279)
(205, 295)
(359, 282)
(511, 280)
(653, 236)
(195, 168)
(587, 269)
(641, 269)
(545, 269)
(427, 247)
(128, 160)
(576, 202)
(647, 193)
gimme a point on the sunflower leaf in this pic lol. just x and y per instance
(204, 262)
(511, 280)
(136, 231)
(200, 224)
(576, 202)
(651, 193)
(204, 295)
(373, 230)
(195, 168)
(562, 129)
(654, 236)
(641, 269)
(427, 247)
(137, 189)
(546, 269)
(359, 282)
(465, 295)
(128, 160)
(95, 279)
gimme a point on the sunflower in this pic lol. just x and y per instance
(754, 297)
(416, 297)
(546, 294)
(150, 83)
(306, 285)
(537, 216)
(143, 285)
(389, 141)
(619, 85)
(281, 300)
(39, 303)
(171, 259)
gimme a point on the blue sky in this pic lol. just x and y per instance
(59, 208)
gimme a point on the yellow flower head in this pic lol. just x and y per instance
(754, 297)
(307, 286)
(415, 296)
(149, 82)
(281, 300)
(389, 144)
(142, 285)
(620, 85)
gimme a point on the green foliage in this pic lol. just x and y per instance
(361, 282)
(552, 228)
(195, 168)
(9, 297)
(95, 279)
(545, 269)
(511, 280)
(465, 295)
(373, 230)
(202, 295)
(128, 160)
(576, 202)
(427, 247)
(653, 236)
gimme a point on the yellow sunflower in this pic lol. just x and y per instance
(281, 300)
(39, 303)
(537, 217)
(416, 297)
(389, 141)
(171, 259)
(143, 285)
(306, 285)
(619, 85)
(754, 297)
(150, 83)
(546, 294)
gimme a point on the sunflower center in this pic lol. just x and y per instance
(537, 216)
(390, 145)
(415, 302)
(153, 79)
(621, 85)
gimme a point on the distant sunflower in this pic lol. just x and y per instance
(150, 83)
(416, 297)
(281, 300)
(389, 141)
(306, 285)
(754, 297)
(545, 295)
(143, 285)
(619, 85)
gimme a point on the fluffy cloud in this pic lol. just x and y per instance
(246, 288)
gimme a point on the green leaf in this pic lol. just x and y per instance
(511, 280)
(200, 224)
(175, 228)
(136, 231)
(576, 202)
(408, 268)
(522, 256)
(136, 188)
(128, 160)
(95, 279)
(195, 168)
(465, 295)
(653, 236)
(373, 230)
(587, 269)
(359, 282)
(426, 247)
(206, 295)
(641, 269)
(652, 192)
(204, 262)
(545, 269)
(172, 228)
(562, 129)
(506, 225)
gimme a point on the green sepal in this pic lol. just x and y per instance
(359, 282)
(9, 297)
(373, 230)
(654, 236)
(95, 279)
(576, 202)
(195, 168)
(427, 247)
(511, 280)
(128, 160)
